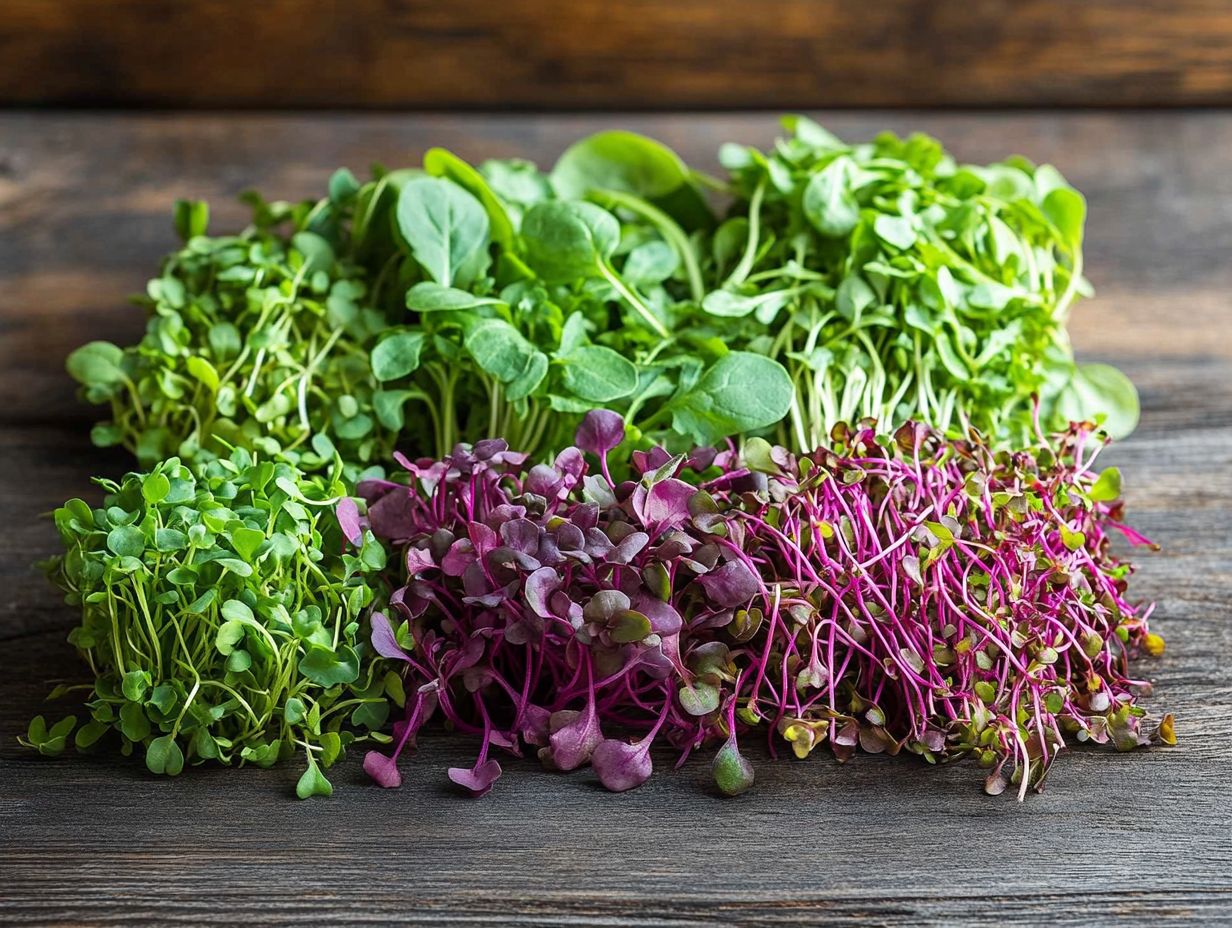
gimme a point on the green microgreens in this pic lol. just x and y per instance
(221, 615)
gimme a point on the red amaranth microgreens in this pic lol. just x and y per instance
(889, 594)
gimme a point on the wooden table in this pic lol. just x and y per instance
(84, 217)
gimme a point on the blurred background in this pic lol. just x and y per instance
(635, 54)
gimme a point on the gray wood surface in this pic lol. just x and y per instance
(84, 206)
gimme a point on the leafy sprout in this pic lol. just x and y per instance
(223, 618)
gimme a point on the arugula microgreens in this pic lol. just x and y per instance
(897, 284)
(221, 616)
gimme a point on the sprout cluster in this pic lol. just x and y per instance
(886, 594)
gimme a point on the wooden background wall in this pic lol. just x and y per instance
(639, 54)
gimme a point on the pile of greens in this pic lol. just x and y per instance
(448, 303)
(223, 618)
(622, 305)
(895, 283)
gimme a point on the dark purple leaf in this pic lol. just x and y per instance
(733, 584)
(600, 432)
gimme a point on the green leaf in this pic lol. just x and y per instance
(699, 698)
(164, 756)
(170, 539)
(1100, 390)
(741, 392)
(1107, 487)
(126, 541)
(895, 230)
(1073, 540)
(430, 297)
(342, 186)
(829, 203)
(313, 782)
(444, 225)
(155, 488)
(294, 710)
(133, 722)
(135, 683)
(204, 371)
(89, 734)
(235, 611)
(567, 241)
(96, 364)
(732, 772)
(618, 160)
(397, 355)
(238, 661)
(229, 635)
(441, 163)
(322, 665)
(192, 218)
(630, 626)
(528, 381)
(650, 263)
(388, 407)
(1066, 209)
(598, 374)
(246, 541)
(499, 349)
(318, 253)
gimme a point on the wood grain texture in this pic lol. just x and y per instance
(642, 54)
(84, 206)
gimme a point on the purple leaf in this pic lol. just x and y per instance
(666, 504)
(544, 481)
(383, 769)
(629, 548)
(600, 432)
(417, 561)
(539, 586)
(733, 584)
(479, 779)
(392, 517)
(574, 737)
(521, 535)
(348, 517)
(384, 641)
(621, 766)
(664, 619)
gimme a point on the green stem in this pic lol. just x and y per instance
(633, 299)
(667, 227)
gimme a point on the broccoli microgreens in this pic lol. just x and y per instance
(896, 594)
(221, 616)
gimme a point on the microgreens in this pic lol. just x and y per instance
(221, 615)
(913, 594)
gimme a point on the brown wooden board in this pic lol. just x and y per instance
(641, 54)
(84, 207)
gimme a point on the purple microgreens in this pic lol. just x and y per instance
(622, 766)
(915, 595)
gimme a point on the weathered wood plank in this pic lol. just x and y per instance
(83, 218)
(592, 53)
